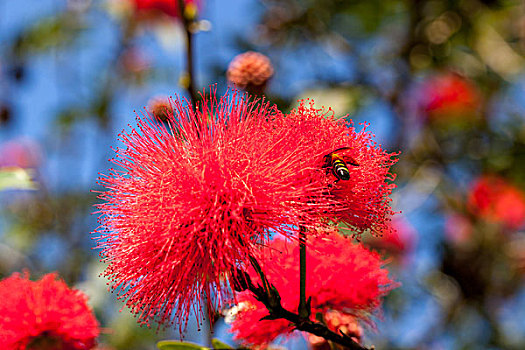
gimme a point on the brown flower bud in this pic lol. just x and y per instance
(160, 107)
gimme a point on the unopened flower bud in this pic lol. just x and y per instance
(160, 107)
(250, 71)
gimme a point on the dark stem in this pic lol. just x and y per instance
(258, 269)
(187, 23)
(269, 296)
(304, 309)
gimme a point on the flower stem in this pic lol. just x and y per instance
(304, 309)
(190, 77)
(258, 269)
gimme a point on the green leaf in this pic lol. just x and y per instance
(16, 178)
(217, 344)
(52, 32)
(179, 345)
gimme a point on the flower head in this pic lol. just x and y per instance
(186, 209)
(448, 96)
(341, 276)
(167, 7)
(250, 71)
(44, 315)
(494, 199)
(361, 199)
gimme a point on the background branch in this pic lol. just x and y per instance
(189, 79)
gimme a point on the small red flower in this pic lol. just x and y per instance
(341, 276)
(44, 315)
(362, 200)
(494, 199)
(185, 209)
(449, 95)
(168, 7)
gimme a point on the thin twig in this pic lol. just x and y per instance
(304, 307)
(187, 23)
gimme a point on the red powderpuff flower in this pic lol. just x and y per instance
(168, 7)
(360, 200)
(449, 95)
(341, 276)
(44, 315)
(494, 199)
(187, 208)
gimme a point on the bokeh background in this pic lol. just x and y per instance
(441, 81)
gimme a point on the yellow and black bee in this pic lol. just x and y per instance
(336, 161)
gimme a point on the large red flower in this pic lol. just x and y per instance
(195, 200)
(341, 276)
(494, 199)
(44, 315)
(361, 201)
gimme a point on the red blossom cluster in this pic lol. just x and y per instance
(341, 276)
(363, 201)
(44, 315)
(495, 199)
(449, 96)
(167, 7)
(195, 199)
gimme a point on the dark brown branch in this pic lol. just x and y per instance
(269, 296)
(304, 306)
(188, 23)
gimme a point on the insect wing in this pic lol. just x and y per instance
(344, 154)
